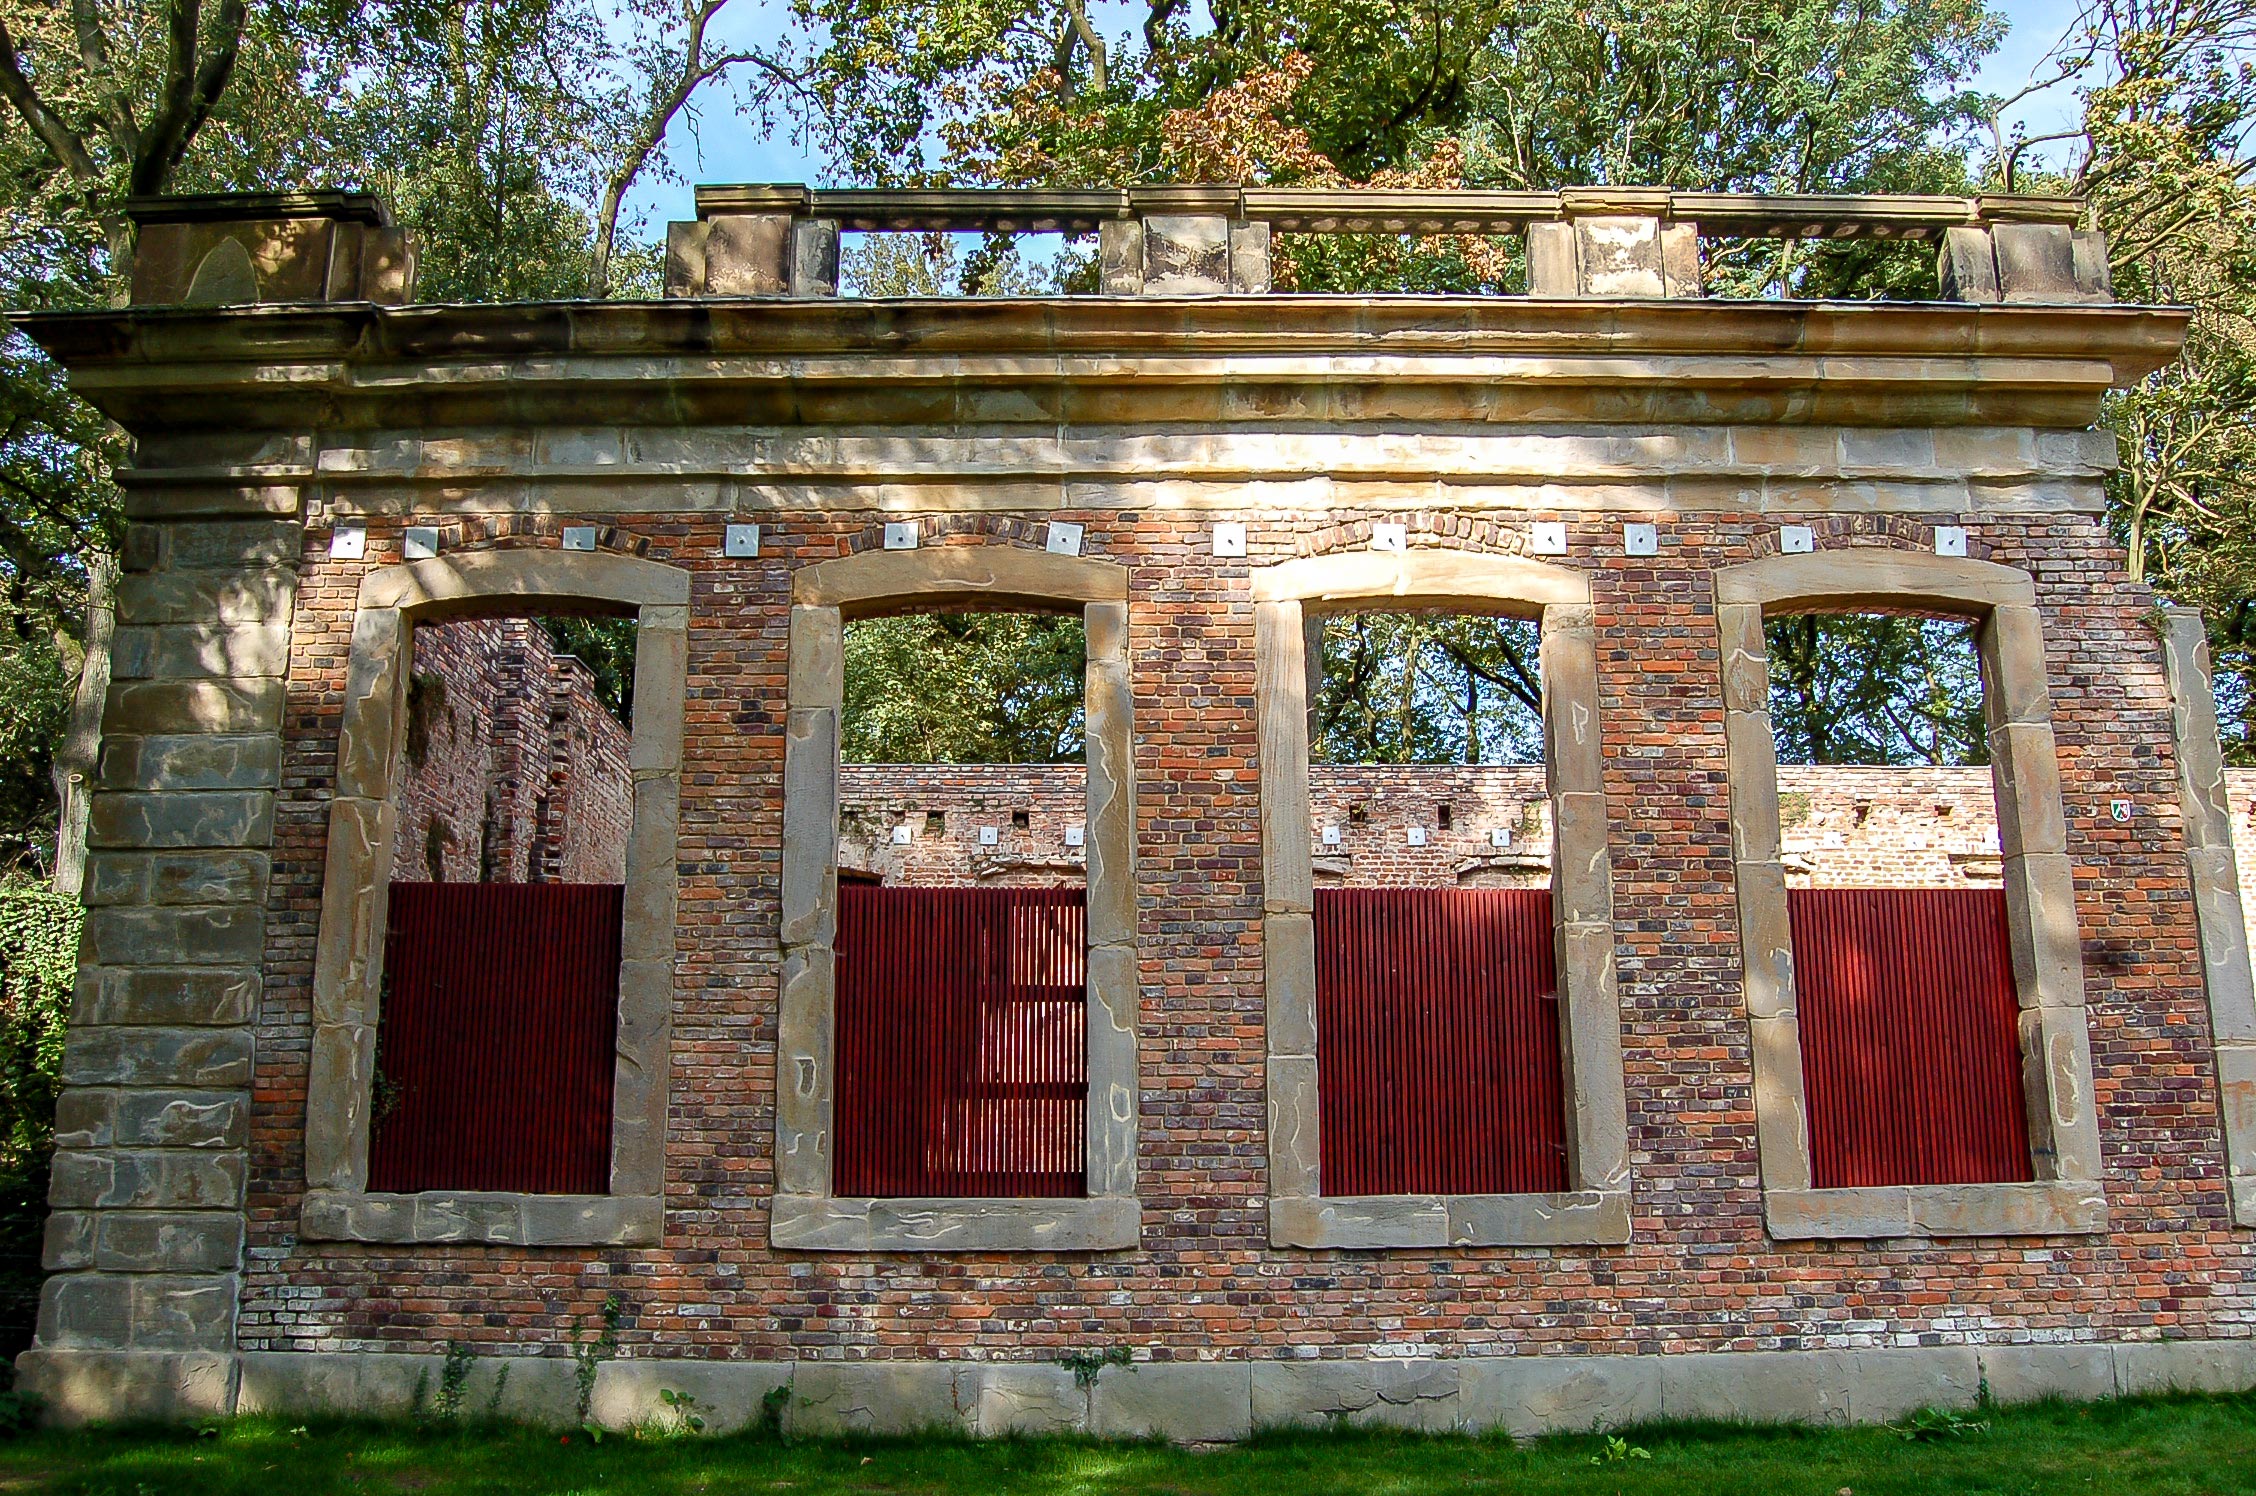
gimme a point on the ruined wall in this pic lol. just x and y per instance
(514, 770)
(1700, 1272)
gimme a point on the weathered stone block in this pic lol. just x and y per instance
(1966, 265)
(1359, 1222)
(2185, 1366)
(192, 761)
(93, 1310)
(731, 1395)
(175, 935)
(1531, 1395)
(230, 544)
(1015, 1398)
(151, 1056)
(1186, 255)
(748, 255)
(1120, 256)
(175, 706)
(871, 1397)
(218, 818)
(1619, 256)
(162, 1179)
(814, 257)
(168, 1241)
(191, 651)
(1759, 1387)
(69, 1242)
(160, 997)
(87, 1386)
(2036, 262)
(2032, 1373)
(206, 598)
(1420, 1395)
(1190, 1402)
(183, 1119)
(1552, 274)
(1888, 1384)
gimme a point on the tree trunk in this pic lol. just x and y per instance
(82, 742)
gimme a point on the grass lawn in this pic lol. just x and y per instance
(2138, 1445)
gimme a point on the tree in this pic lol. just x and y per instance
(1429, 688)
(970, 688)
(1869, 689)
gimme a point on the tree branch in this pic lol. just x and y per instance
(58, 137)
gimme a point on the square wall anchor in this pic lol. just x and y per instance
(1229, 538)
(741, 541)
(989, 836)
(1548, 538)
(1416, 836)
(1331, 836)
(1076, 836)
(1063, 538)
(579, 537)
(348, 543)
(903, 835)
(901, 535)
(1950, 540)
(1796, 540)
(420, 543)
(1395, 538)
(1641, 540)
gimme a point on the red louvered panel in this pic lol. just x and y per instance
(1437, 1042)
(1911, 1049)
(496, 1044)
(962, 1055)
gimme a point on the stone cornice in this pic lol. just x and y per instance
(1106, 360)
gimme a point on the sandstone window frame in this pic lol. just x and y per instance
(804, 1214)
(1290, 600)
(2066, 1196)
(363, 817)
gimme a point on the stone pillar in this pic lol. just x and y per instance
(146, 1237)
(1184, 241)
(2008, 261)
(1614, 242)
(2214, 876)
(753, 241)
(236, 248)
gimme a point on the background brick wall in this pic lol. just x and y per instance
(515, 771)
(1700, 1272)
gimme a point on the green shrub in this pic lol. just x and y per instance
(38, 965)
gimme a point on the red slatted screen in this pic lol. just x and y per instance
(962, 1042)
(1437, 1042)
(1911, 1049)
(501, 1006)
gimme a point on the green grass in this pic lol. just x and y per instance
(2138, 1445)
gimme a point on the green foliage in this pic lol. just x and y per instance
(38, 968)
(1085, 1365)
(1930, 1424)
(591, 1353)
(963, 688)
(1618, 1450)
(607, 647)
(1429, 688)
(686, 1412)
(1868, 689)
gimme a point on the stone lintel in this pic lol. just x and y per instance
(1380, 1222)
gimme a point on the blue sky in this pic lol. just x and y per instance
(730, 148)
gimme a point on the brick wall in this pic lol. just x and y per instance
(1841, 826)
(515, 771)
(1700, 1273)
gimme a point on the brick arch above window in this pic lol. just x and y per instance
(348, 963)
(1290, 601)
(2065, 1195)
(806, 1213)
